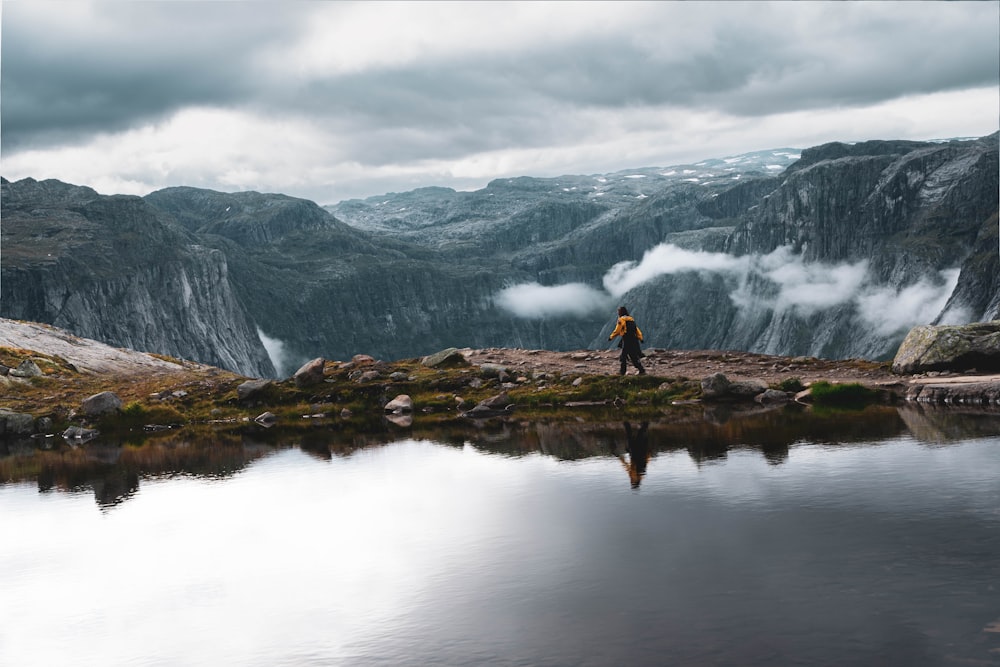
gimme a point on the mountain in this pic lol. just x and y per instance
(832, 251)
(117, 270)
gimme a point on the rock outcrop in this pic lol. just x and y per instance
(950, 348)
(117, 270)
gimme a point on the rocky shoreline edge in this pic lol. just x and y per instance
(53, 383)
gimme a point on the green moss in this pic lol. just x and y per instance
(789, 384)
(849, 395)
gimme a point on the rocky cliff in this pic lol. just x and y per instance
(836, 252)
(117, 270)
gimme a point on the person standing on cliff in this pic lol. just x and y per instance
(631, 337)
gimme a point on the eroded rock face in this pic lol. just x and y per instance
(950, 348)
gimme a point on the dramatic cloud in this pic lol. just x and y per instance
(334, 100)
(779, 281)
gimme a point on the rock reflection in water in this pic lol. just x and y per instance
(707, 433)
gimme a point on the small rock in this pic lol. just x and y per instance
(449, 358)
(498, 402)
(346, 414)
(401, 403)
(368, 376)
(310, 373)
(772, 396)
(27, 369)
(251, 388)
(266, 418)
(577, 382)
(100, 404)
(398, 376)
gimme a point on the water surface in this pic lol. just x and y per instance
(802, 541)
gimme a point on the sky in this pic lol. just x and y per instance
(336, 100)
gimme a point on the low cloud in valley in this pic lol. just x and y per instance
(792, 285)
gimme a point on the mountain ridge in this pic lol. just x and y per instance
(260, 282)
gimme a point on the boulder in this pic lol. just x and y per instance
(368, 376)
(251, 388)
(772, 396)
(747, 389)
(950, 348)
(401, 403)
(449, 358)
(493, 370)
(16, 423)
(715, 386)
(311, 373)
(101, 404)
(498, 402)
(26, 369)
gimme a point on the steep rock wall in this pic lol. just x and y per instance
(110, 269)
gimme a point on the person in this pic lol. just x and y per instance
(631, 337)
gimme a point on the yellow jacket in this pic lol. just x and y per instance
(620, 329)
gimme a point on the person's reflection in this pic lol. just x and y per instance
(637, 447)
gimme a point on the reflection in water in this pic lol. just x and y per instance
(637, 449)
(707, 434)
(367, 552)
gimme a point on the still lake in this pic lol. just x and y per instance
(779, 539)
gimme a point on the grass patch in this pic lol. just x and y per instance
(851, 395)
(789, 384)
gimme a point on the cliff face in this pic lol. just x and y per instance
(114, 270)
(911, 212)
(834, 253)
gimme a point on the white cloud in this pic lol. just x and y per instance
(805, 287)
(666, 259)
(891, 311)
(779, 281)
(535, 301)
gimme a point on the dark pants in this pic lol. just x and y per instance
(631, 352)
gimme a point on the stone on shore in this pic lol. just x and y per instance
(400, 404)
(16, 423)
(101, 404)
(251, 388)
(950, 348)
(310, 373)
(449, 358)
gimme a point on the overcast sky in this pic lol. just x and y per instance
(334, 100)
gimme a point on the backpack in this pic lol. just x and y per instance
(630, 328)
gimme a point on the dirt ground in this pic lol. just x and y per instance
(692, 364)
